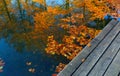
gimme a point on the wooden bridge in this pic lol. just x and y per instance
(102, 58)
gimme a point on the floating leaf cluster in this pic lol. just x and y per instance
(71, 44)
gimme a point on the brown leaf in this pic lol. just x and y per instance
(83, 60)
(89, 45)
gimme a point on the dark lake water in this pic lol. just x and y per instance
(15, 62)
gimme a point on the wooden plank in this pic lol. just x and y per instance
(106, 59)
(76, 62)
(114, 68)
(119, 74)
(84, 69)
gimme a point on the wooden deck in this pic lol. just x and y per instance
(102, 58)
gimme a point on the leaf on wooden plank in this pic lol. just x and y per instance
(83, 60)
(89, 45)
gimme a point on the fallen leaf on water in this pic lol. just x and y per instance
(54, 74)
(1, 67)
(32, 70)
(28, 63)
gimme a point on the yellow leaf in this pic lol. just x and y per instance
(89, 45)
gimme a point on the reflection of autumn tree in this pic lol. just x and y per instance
(43, 2)
(43, 20)
(16, 32)
(23, 37)
(45, 23)
(11, 29)
(21, 34)
(92, 9)
(67, 4)
(4, 9)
